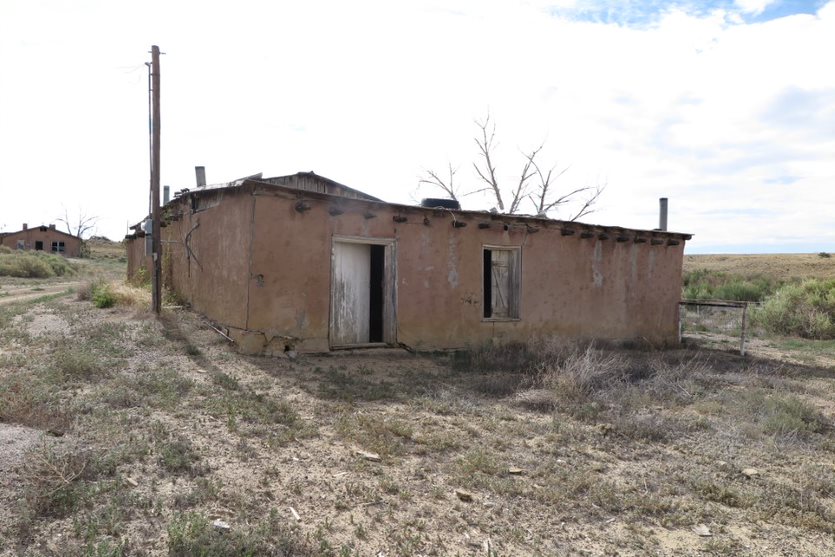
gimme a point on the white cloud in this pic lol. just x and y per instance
(754, 7)
(732, 121)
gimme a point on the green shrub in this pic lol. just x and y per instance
(806, 310)
(103, 296)
(34, 265)
(824, 255)
(60, 266)
(24, 266)
(711, 285)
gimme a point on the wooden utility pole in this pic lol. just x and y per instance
(156, 251)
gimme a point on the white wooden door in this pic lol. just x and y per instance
(350, 294)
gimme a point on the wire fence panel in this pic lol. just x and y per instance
(729, 319)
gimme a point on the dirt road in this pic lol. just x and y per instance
(22, 293)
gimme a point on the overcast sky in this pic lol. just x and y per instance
(726, 107)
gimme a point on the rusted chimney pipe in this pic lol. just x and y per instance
(662, 214)
(200, 171)
(25, 226)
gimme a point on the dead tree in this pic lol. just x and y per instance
(80, 226)
(543, 196)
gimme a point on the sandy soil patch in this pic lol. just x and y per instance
(43, 322)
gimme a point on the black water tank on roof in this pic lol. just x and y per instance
(435, 202)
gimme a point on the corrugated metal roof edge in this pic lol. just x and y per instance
(333, 182)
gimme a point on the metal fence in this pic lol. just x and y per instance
(721, 317)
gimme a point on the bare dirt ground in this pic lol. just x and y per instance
(124, 435)
(778, 266)
(799, 352)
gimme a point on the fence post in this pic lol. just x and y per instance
(742, 336)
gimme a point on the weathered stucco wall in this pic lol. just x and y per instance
(135, 249)
(45, 234)
(569, 285)
(206, 255)
(277, 294)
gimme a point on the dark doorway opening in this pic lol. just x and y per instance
(39, 245)
(488, 283)
(378, 258)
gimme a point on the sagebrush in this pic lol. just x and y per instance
(34, 265)
(806, 310)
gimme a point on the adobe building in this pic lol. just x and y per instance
(303, 263)
(43, 238)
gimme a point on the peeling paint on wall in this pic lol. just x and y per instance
(596, 262)
(452, 262)
(633, 257)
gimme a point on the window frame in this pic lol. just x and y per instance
(516, 255)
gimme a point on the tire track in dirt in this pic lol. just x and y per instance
(23, 294)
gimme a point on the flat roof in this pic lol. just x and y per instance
(569, 227)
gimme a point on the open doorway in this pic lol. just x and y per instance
(362, 292)
(38, 245)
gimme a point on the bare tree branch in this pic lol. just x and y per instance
(589, 202)
(448, 186)
(482, 190)
(485, 146)
(521, 191)
(543, 204)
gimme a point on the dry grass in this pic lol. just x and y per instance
(779, 267)
(101, 248)
(52, 478)
(130, 296)
(107, 294)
